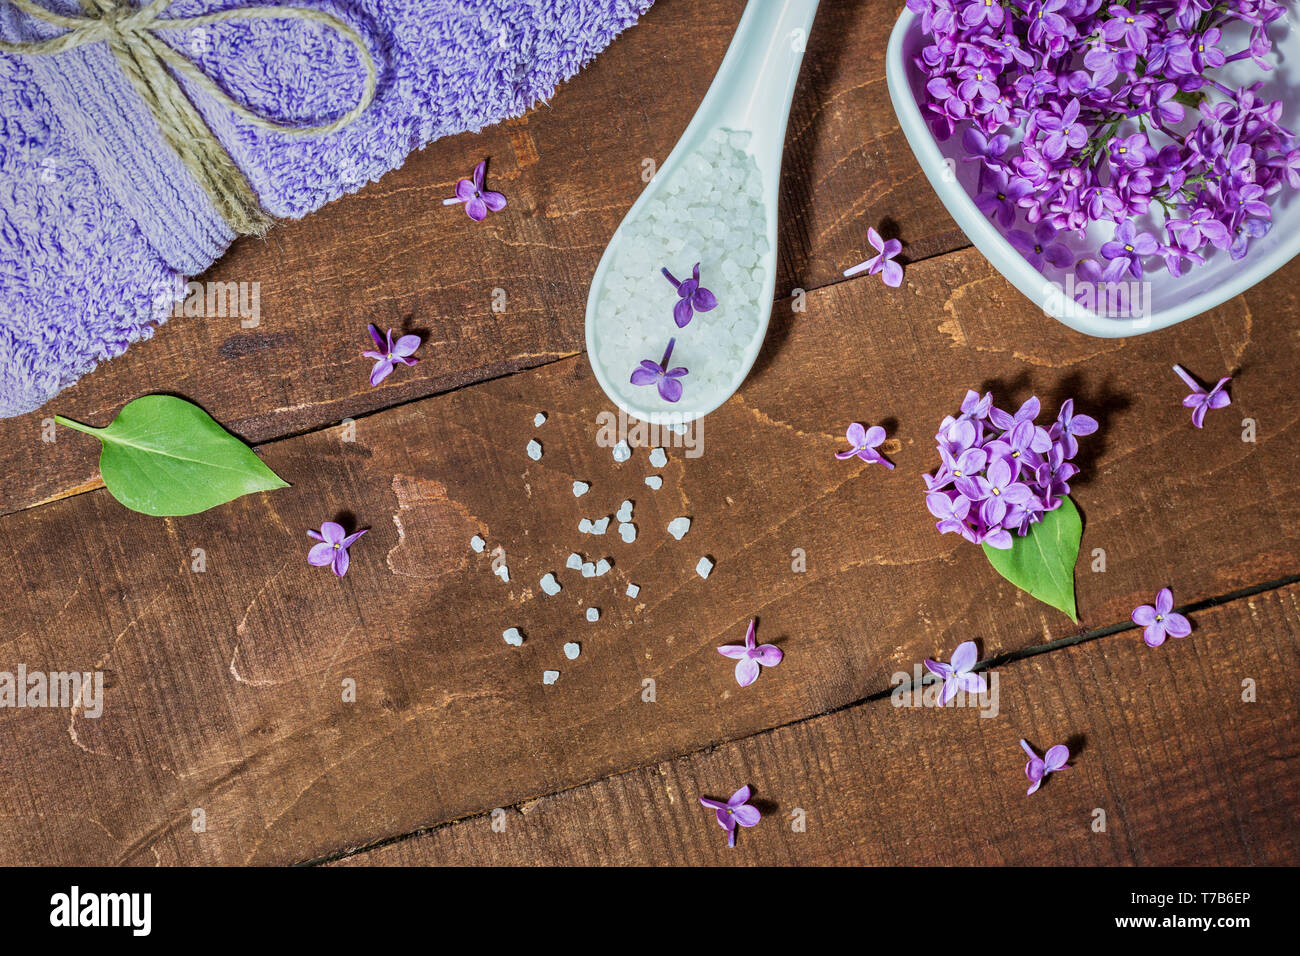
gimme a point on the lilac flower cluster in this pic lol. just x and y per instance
(1081, 111)
(1002, 472)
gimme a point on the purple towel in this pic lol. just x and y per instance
(98, 218)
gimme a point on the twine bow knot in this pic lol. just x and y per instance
(131, 32)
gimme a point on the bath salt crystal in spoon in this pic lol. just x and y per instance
(710, 212)
(633, 590)
(624, 513)
(627, 531)
(534, 449)
(478, 544)
(549, 584)
(539, 419)
(658, 458)
(580, 488)
(678, 527)
(572, 649)
(584, 526)
(575, 562)
(503, 573)
(550, 677)
(654, 481)
(593, 614)
(512, 636)
(588, 569)
(704, 567)
(622, 452)
(603, 566)
(600, 527)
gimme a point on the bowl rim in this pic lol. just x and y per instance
(1007, 259)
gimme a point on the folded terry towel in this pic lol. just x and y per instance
(98, 213)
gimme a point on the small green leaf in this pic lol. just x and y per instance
(165, 456)
(1042, 562)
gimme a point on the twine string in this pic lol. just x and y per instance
(132, 34)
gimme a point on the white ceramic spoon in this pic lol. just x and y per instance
(751, 92)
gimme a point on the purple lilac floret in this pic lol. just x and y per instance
(1200, 401)
(692, 297)
(1159, 621)
(890, 272)
(751, 656)
(1080, 111)
(1001, 472)
(1038, 767)
(668, 380)
(957, 674)
(333, 547)
(863, 443)
(388, 353)
(734, 811)
(477, 200)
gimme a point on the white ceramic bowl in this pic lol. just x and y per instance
(1171, 300)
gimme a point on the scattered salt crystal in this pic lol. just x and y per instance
(512, 636)
(622, 452)
(658, 458)
(593, 614)
(603, 566)
(588, 569)
(572, 649)
(584, 526)
(534, 449)
(539, 419)
(654, 481)
(627, 532)
(549, 584)
(601, 526)
(580, 488)
(477, 543)
(704, 567)
(575, 562)
(503, 573)
(678, 527)
(624, 512)
(550, 677)
(633, 590)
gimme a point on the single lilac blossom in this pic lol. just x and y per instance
(1039, 767)
(957, 675)
(1201, 401)
(1070, 426)
(735, 811)
(750, 655)
(668, 380)
(1130, 245)
(477, 200)
(891, 272)
(693, 297)
(1160, 621)
(389, 353)
(333, 547)
(863, 442)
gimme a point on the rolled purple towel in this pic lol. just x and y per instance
(99, 219)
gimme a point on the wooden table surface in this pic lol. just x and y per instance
(225, 737)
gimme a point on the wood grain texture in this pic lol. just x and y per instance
(392, 254)
(1185, 771)
(226, 684)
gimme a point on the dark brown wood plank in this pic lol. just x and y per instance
(226, 683)
(392, 254)
(1185, 772)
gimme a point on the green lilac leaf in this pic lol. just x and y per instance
(1042, 562)
(163, 455)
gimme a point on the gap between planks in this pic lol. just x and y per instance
(1086, 637)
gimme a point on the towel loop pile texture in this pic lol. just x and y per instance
(99, 215)
(130, 32)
